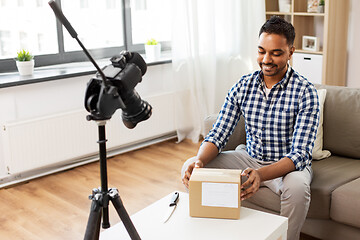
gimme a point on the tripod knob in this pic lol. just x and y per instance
(89, 117)
(94, 192)
(113, 192)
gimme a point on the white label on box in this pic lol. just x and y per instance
(220, 195)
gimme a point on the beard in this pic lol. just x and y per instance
(272, 69)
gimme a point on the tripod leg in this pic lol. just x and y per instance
(105, 223)
(93, 225)
(124, 216)
(103, 174)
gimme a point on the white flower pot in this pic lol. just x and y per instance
(321, 9)
(153, 52)
(25, 67)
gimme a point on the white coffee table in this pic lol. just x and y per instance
(148, 222)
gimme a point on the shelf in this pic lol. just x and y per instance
(308, 52)
(296, 14)
(277, 13)
(309, 14)
(330, 28)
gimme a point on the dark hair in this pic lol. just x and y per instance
(278, 25)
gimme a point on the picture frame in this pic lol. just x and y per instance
(312, 6)
(310, 43)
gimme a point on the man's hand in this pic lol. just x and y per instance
(206, 153)
(251, 185)
(271, 171)
(197, 164)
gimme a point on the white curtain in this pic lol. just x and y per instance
(214, 43)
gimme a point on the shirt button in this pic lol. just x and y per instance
(263, 129)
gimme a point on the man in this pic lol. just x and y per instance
(281, 112)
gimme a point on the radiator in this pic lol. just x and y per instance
(57, 139)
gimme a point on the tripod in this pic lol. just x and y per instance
(102, 99)
(100, 197)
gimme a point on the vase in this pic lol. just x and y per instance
(25, 68)
(321, 9)
(153, 52)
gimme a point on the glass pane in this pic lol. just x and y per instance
(150, 19)
(22, 26)
(99, 24)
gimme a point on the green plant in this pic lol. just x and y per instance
(151, 42)
(23, 56)
(322, 3)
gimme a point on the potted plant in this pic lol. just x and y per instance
(25, 63)
(321, 6)
(152, 50)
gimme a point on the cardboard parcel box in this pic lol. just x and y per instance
(215, 193)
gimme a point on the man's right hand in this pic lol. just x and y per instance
(197, 164)
(206, 153)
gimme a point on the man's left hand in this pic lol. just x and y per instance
(251, 185)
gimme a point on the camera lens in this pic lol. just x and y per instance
(135, 111)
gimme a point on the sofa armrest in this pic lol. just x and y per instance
(236, 138)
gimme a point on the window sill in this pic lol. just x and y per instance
(61, 71)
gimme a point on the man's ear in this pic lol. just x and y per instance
(292, 50)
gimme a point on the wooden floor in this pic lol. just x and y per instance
(57, 206)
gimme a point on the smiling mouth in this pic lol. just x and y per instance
(268, 67)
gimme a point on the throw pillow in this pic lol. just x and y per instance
(318, 152)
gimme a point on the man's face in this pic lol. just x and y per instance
(273, 55)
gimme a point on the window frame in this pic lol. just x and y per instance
(62, 57)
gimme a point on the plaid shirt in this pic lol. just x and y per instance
(284, 124)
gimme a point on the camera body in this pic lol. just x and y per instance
(102, 99)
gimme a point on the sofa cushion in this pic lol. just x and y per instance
(329, 174)
(318, 152)
(345, 204)
(341, 121)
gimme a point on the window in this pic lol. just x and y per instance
(104, 27)
(5, 41)
(150, 19)
(22, 22)
(98, 24)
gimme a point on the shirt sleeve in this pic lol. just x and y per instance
(227, 119)
(305, 129)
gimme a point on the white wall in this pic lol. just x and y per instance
(353, 79)
(55, 97)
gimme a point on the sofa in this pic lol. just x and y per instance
(334, 211)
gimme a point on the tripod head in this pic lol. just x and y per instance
(124, 74)
(113, 87)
